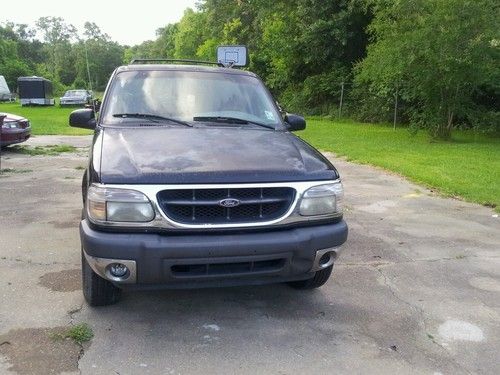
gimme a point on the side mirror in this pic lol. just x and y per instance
(82, 118)
(295, 122)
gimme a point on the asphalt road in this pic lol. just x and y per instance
(416, 290)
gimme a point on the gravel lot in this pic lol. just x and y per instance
(417, 290)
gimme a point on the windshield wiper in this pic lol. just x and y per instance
(152, 117)
(229, 120)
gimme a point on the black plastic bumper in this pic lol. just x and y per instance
(158, 256)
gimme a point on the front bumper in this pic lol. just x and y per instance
(206, 260)
(12, 136)
(72, 102)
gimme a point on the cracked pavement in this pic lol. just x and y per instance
(416, 290)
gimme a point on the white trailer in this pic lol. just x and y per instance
(5, 94)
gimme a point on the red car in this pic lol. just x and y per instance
(14, 129)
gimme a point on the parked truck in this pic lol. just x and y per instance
(195, 180)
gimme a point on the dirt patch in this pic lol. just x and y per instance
(35, 351)
(62, 281)
(65, 224)
(71, 223)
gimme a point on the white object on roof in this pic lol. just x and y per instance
(232, 55)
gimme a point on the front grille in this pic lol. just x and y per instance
(203, 206)
(213, 269)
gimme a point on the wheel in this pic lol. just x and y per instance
(96, 290)
(320, 278)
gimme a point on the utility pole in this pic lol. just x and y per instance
(341, 98)
(396, 107)
(88, 68)
(2, 117)
(89, 78)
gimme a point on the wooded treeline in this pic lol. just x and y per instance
(53, 49)
(440, 58)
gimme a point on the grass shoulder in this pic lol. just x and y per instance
(50, 120)
(468, 166)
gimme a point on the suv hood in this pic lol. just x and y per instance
(166, 155)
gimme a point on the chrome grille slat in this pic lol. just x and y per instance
(202, 206)
(216, 202)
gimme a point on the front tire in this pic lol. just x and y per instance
(319, 279)
(96, 290)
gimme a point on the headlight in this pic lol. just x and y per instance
(11, 125)
(122, 205)
(322, 200)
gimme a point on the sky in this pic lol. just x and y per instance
(125, 22)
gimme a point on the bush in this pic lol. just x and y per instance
(367, 105)
(317, 95)
(79, 84)
(11, 70)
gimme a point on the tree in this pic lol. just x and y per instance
(55, 30)
(145, 50)
(436, 54)
(190, 34)
(92, 32)
(164, 46)
(11, 65)
(29, 48)
(58, 35)
(101, 54)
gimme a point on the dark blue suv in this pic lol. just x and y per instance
(195, 180)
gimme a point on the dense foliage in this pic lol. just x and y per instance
(54, 50)
(438, 58)
(441, 56)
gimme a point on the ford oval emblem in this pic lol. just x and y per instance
(229, 202)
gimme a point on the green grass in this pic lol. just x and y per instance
(12, 170)
(466, 167)
(45, 120)
(79, 333)
(50, 150)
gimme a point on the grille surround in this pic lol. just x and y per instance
(202, 206)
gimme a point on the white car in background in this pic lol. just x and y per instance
(76, 97)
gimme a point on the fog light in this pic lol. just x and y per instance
(324, 259)
(118, 270)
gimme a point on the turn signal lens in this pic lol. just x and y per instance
(97, 210)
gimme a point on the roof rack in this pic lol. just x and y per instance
(194, 62)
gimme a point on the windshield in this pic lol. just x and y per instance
(185, 96)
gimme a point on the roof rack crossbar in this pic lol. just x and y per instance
(197, 62)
